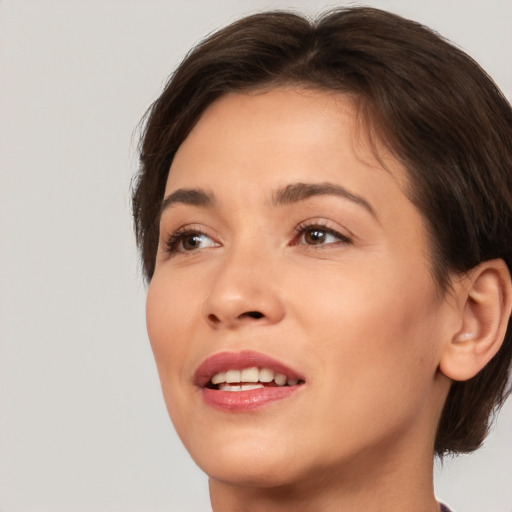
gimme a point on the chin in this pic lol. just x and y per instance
(248, 473)
(246, 460)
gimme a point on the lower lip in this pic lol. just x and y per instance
(243, 401)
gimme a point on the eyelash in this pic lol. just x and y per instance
(304, 227)
(180, 235)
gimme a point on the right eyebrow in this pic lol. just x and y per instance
(190, 196)
(296, 192)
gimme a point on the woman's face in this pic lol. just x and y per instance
(286, 247)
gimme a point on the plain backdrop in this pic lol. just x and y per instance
(83, 425)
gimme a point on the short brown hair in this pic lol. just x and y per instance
(438, 112)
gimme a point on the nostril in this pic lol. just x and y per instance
(252, 314)
(213, 319)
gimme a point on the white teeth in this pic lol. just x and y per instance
(240, 387)
(233, 376)
(248, 387)
(280, 379)
(250, 375)
(266, 375)
(219, 377)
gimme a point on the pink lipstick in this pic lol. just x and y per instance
(243, 381)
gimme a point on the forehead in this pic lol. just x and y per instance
(280, 135)
(285, 121)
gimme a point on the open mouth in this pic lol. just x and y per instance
(248, 379)
(245, 381)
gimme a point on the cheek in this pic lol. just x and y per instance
(375, 358)
(168, 318)
(373, 325)
(168, 312)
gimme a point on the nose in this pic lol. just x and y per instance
(244, 291)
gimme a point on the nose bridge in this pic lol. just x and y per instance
(244, 288)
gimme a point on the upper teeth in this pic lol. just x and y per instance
(252, 375)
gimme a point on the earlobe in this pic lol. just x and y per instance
(485, 308)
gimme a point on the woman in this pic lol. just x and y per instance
(324, 213)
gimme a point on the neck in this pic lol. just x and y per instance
(321, 497)
(379, 484)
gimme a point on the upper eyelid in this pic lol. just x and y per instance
(341, 238)
(169, 229)
(326, 225)
(186, 228)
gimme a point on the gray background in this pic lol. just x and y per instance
(82, 423)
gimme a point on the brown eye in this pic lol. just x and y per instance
(189, 241)
(319, 236)
(315, 236)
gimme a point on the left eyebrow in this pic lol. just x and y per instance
(190, 196)
(296, 192)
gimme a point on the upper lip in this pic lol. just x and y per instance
(224, 361)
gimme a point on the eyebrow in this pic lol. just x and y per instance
(301, 191)
(290, 194)
(190, 196)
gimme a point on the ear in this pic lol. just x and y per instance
(485, 306)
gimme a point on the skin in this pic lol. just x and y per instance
(358, 315)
